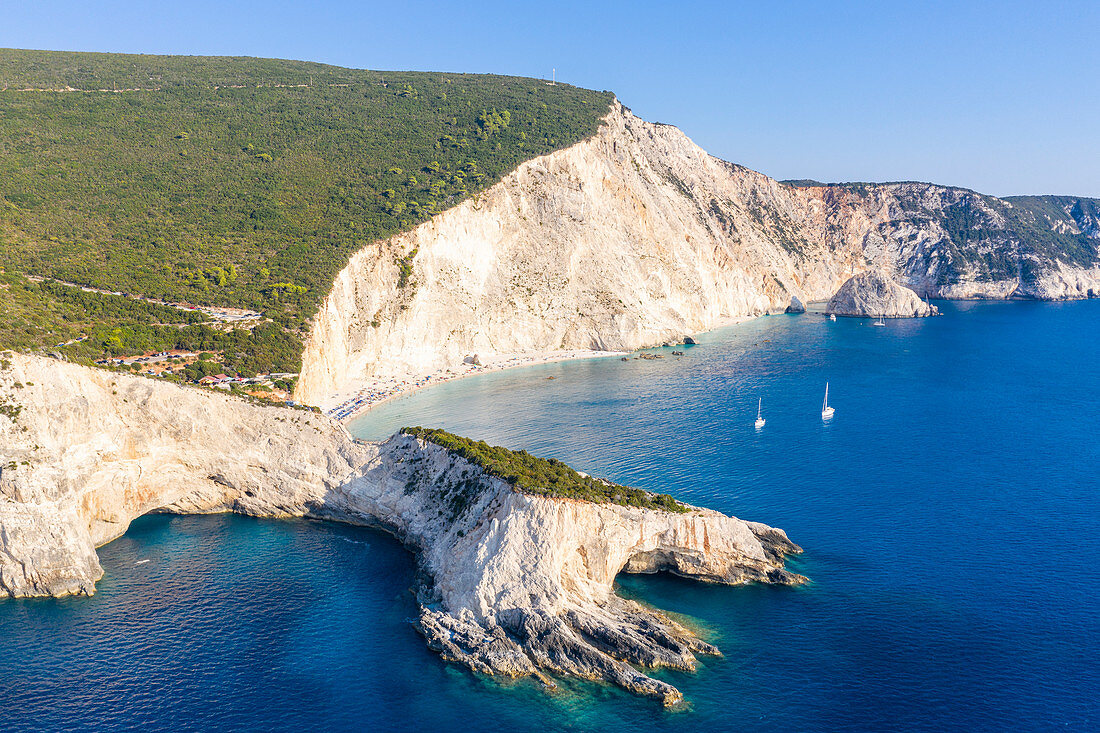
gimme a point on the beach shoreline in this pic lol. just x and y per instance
(364, 394)
(370, 392)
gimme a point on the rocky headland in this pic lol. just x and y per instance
(628, 239)
(509, 583)
(873, 293)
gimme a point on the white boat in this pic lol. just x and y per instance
(832, 316)
(759, 417)
(880, 322)
(826, 411)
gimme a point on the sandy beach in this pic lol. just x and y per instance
(363, 394)
(366, 393)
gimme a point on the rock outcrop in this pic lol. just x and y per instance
(88, 450)
(873, 293)
(636, 235)
(510, 583)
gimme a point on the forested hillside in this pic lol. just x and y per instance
(238, 181)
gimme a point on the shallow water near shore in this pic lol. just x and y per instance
(950, 514)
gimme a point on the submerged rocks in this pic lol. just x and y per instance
(874, 294)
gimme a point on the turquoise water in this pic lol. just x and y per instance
(950, 515)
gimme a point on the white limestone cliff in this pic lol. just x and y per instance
(511, 583)
(89, 450)
(637, 236)
(595, 246)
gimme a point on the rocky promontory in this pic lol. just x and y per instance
(873, 293)
(511, 582)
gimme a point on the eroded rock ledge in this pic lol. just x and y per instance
(509, 583)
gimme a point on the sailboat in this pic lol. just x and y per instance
(881, 321)
(759, 417)
(826, 411)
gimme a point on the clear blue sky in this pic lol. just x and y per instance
(1003, 97)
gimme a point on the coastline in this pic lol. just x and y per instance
(364, 394)
(367, 393)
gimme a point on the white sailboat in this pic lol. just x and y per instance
(759, 417)
(826, 411)
(881, 321)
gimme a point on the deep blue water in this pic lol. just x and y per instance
(949, 512)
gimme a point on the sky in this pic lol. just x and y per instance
(1001, 97)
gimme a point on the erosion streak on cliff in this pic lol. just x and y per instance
(636, 236)
(510, 583)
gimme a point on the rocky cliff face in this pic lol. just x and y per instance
(637, 236)
(872, 293)
(633, 237)
(510, 583)
(89, 450)
(955, 243)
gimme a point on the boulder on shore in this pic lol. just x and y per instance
(796, 305)
(874, 294)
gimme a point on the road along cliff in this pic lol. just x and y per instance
(637, 236)
(509, 582)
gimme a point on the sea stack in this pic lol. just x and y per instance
(873, 293)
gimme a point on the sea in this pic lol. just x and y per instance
(949, 512)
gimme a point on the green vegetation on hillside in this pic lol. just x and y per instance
(1049, 219)
(803, 183)
(37, 315)
(247, 182)
(90, 326)
(544, 476)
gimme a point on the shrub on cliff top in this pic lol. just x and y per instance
(544, 476)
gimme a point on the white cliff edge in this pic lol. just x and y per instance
(511, 583)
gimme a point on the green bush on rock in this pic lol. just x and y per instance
(544, 476)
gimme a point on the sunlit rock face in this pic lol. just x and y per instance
(637, 236)
(873, 293)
